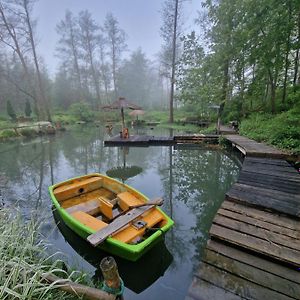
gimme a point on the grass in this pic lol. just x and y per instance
(23, 260)
(281, 130)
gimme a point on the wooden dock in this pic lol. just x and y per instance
(252, 148)
(254, 250)
(149, 140)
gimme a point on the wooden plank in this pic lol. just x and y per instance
(237, 285)
(277, 240)
(271, 218)
(275, 200)
(284, 184)
(255, 261)
(286, 174)
(100, 236)
(91, 207)
(252, 274)
(203, 290)
(259, 223)
(251, 243)
(267, 161)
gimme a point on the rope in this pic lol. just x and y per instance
(118, 292)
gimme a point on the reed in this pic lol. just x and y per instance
(24, 262)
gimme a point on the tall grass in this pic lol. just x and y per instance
(24, 262)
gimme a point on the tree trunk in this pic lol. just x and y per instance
(296, 65)
(171, 116)
(225, 81)
(287, 61)
(41, 91)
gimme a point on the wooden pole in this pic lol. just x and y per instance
(77, 289)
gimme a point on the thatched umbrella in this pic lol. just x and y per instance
(122, 103)
(137, 113)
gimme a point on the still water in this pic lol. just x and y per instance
(191, 180)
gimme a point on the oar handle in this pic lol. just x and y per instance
(157, 202)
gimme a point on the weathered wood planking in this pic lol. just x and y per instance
(270, 236)
(252, 148)
(267, 217)
(147, 140)
(244, 275)
(274, 183)
(203, 290)
(255, 244)
(259, 223)
(265, 198)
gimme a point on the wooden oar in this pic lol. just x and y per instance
(156, 202)
(120, 221)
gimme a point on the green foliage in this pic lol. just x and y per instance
(7, 133)
(28, 109)
(23, 260)
(82, 111)
(10, 111)
(28, 132)
(282, 130)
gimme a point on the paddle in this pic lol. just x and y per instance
(120, 221)
(156, 202)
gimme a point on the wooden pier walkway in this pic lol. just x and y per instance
(149, 140)
(254, 250)
(252, 148)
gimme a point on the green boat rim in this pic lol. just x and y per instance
(134, 249)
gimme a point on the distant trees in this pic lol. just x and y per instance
(138, 80)
(18, 40)
(253, 54)
(115, 38)
(90, 56)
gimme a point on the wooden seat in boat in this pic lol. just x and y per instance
(88, 220)
(77, 187)
(126, 200)
(91, 207)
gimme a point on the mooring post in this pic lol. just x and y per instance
(112, 282)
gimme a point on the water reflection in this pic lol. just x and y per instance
(123, 172)
(192, 180)
(137, 276)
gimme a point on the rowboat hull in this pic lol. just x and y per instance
(117, 243)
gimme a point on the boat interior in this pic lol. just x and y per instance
(97, 201)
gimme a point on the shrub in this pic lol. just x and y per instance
(82, 111)
(7, 133)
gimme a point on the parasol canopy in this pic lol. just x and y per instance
(122, 103)
(137, 112)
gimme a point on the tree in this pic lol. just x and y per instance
(17, 35)
(28, 110)
(89, 39)
(10, 111)
(69, 51)
(116, 41)
(170, 34)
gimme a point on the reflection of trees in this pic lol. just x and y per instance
(197, 179)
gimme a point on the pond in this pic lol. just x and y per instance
(192, 180)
